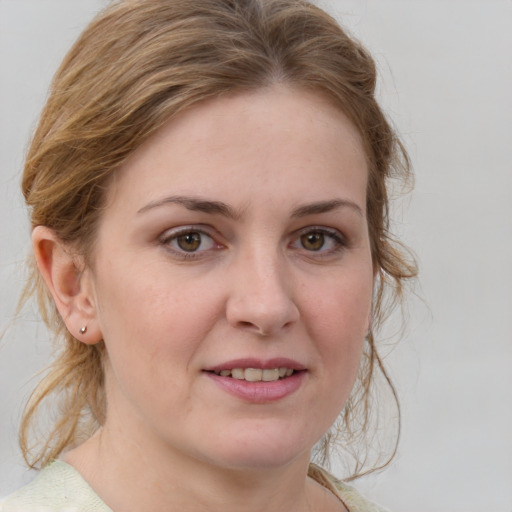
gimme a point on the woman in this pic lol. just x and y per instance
(207, 188)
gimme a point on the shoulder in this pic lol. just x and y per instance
(350, 496)
(57, 488)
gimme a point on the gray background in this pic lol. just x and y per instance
(446, 72)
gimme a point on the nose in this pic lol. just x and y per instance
(261, 300)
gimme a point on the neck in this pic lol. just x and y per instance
(130, 477)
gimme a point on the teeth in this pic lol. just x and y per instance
(253, 374)
(238, 373)
(257, 374)
(270, 375)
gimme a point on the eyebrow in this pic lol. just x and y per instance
(326, 206)
(197, 205)
(220, 208)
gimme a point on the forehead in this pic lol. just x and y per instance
(278, 136)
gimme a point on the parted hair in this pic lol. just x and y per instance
(138, 64)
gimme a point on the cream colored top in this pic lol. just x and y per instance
(60, 488)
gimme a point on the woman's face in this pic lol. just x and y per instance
(234, 251)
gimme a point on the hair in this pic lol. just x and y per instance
(137, 65)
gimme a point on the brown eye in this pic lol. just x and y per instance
(323, 241)
(313, 241)
(189, 242)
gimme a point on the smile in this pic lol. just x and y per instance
(259, 383)
(257, 374)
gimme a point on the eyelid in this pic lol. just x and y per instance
(338, 237)
(171, 234)
(165, 239)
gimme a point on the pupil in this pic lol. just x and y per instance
(313, 241)
(189, 242)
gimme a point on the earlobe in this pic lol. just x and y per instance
(69, 284)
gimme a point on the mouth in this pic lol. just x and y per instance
(259, 381)
(257, 374)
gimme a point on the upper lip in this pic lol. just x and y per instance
(264, 364)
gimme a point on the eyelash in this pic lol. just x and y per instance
(334, 235)
(167, 238)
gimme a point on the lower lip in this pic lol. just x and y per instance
(260, 392)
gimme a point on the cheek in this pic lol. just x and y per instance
(342, 307)
(152, 318)
(339, 318)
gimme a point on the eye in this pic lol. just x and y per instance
(188, 241)
(319, 240)
(313, 241)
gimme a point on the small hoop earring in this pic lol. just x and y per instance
(83, 329)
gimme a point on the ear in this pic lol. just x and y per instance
(69, 283)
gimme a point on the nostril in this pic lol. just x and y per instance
(264, 317)
(247, 325)
(250, 326)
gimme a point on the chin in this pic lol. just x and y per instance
(259, 460)
(262, 450)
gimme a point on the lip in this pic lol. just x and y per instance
(266, 364)
(258, 392)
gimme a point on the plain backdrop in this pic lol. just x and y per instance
(446, 81)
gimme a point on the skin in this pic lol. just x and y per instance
(271, 277)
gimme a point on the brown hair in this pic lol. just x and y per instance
(134, 67)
